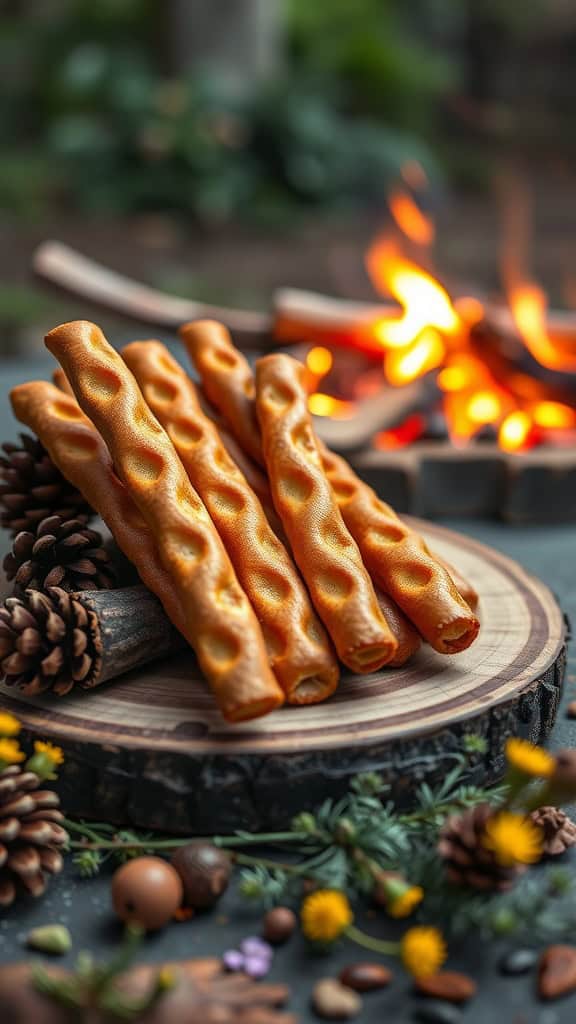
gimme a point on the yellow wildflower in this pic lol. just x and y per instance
(9, 726)
(48, 750)
(528, 759)
(423, 950)
(325, 914)
(406, 902)
(10, 752)
(513, 839)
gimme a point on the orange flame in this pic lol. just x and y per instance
(529, 305)
(425, 303)
(319, 361)
(406, 364)
(410, 219)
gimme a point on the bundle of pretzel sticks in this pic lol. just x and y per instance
(267, 552)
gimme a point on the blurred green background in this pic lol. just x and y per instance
(165, 137)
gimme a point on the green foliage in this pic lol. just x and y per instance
(112, 133)
(371, 47)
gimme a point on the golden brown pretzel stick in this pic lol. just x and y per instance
(78, 451)
(61, 381)
(227, 380)
(300, 653)
(328, 558)
(407, 638)
(399, 562)
(219, 620)
(463, 586)
(227, 377)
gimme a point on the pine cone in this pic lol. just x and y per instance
(31, 488)
(48, 641)
(61, 553)
(30, 834)
(466, 859)
(559, 831)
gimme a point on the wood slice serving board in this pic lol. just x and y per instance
(151, 750)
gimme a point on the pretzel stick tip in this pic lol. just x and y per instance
(400, 563)
(299, 651)
(328, 557)
(219, 621)
(227, 380)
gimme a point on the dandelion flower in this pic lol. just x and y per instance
(423, 950)
(48, 750)
(325, 914)
(406, 902)
(9, 726)
(528, 759)
(10, 752)
(513, 839)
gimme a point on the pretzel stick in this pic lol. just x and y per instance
(227, 380)
(407, 638)
(399, 562)
(299, 650)
(231, 383)
(78, 451)
(328, 558)
(61, 381)
(463, 586)
(219, 621)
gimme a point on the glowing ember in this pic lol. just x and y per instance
(554, 415)
(408, 432)
(410, 219)
(515, 431)
(319, 361)
(484, 407)
(325, 405)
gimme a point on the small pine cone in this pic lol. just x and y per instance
(559, 831)
(30, 834)
(61, 553)
(32, 488)
(466, 859)
(48, 642)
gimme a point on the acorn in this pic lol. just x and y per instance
(205, 873)
(146, 891)
(278, 925)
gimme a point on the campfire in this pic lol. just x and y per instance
(484, 370)
(448, 400)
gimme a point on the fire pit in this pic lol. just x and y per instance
(447, 402)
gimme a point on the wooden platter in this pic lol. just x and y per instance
(151, 750)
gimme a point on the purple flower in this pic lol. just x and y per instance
(256, 966)
(233, 960)
(256, 947)
(254, 957)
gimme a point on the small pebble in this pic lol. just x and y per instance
(571, 709)
(557, 972)
(146, 891)
(519, 961)
(333, 1001)
(364, 977)
(50, 938)
(438, 1012)
(253, 946)
(448, 985)
(278, 925)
